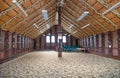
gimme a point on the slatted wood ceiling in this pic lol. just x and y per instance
(13, 20)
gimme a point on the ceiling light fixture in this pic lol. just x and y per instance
(85, 26)
(18, 5)
(45, 14)
(71, 26)
(74, 32)
(85, 13)
(35, 25)
(47, 26)
(111, 8)
(69, 35)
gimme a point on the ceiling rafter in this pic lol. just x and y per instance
(74, 22)
(51, 12)
(82, 22)
(30, 28)
(18, 15)
(10, 8)
(66, 28)
(12, 28)
(92, 18)
(108, 6)
(27, 22)
(37, 17)
(90, 28)
(40, 26)
(13, 20)
(66, 19)
(40, 33)
(106, 19)
(31, 31)
(43, 27)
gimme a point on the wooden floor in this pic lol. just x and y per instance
(46, 64)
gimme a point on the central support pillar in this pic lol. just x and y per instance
(59, 30)
(60, 48)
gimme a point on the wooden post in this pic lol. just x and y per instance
(59, 32)
(56, 39)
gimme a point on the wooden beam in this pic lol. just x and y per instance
(76, 24)
(107, 6)
(67, 28)
(59, 31)
(31, 26)
(106, 19)
(42, 25)
(90, 17)
(15, 17)
(31, 15)
(10, 8)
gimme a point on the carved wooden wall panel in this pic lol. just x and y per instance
(118, 33)
(103, 43)
(115, 43)
(110, 42)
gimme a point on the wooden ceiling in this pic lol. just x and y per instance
(13, 20)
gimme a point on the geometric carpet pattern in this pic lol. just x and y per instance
(46, 64)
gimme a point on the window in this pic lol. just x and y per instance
(53, 39)
(47, 39)
(64, 39)
(59, 36)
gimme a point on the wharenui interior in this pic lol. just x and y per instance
(59, 38)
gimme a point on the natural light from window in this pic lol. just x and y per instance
(64, 39)
(47, 39)
(53, 39)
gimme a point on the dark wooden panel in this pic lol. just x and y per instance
(110, 42)
(17, 43)
(10, 44)
(6, 46)
(118, 33)
(103, 43)
(13, 44)
(97, 43)
(2, 40)
(2, 35)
